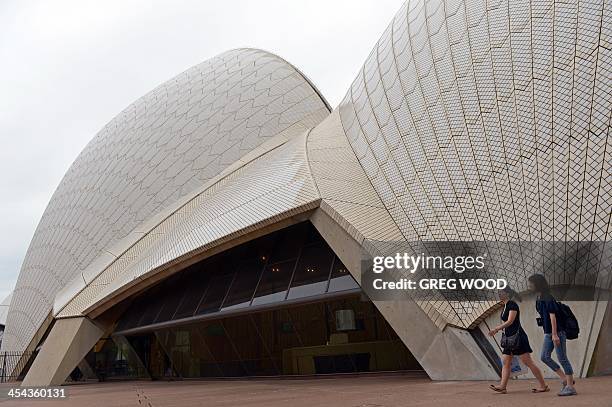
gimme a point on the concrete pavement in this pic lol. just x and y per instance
(350, 391)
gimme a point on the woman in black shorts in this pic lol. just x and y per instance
(516, 344)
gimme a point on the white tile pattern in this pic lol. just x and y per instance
(489, 120)
(271, 187)
(471, 120)
(4, 305)
(162, 147)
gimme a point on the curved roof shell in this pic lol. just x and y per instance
(153, 154)
(4, 306)
(489, 121)
(467, 122)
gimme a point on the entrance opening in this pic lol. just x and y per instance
(338, 336)
(282, 304)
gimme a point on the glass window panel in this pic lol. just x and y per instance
(261, 248)
(309, 322)
(172, 292)
(130, 318)
(274, 283)
(206, 363)
(250, 348)
(280, 334)
(161, 365)
(288, 243)
(117, 359)
(151, 312)
(216, 292)
(341, 279)
(222, 348)
(244, 284)
(178, 346)
(193, 292)
(312, 271)
(304, 339)
(142, 346)
(189, 353)
(154, 303)
(264, 325)
(191, 297)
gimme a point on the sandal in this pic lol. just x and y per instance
(497, 389)
(544, 390)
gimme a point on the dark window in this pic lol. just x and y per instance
(310, 324)
(312, 271)
(292, 263)
(242, 289)
(133, 314)
(274, 282)
(260, 248)
(151, 312)
(251, 349)
(305, 339)
(194, 291)
(288, 243)
(222, 348)
(172, 290)
(341, 279)
(216, 292)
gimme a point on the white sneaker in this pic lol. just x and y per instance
(567, 391)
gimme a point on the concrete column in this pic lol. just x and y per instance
(446, 353)
(67, 344)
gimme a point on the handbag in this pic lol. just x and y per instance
(511, 342)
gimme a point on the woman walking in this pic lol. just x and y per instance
(514, 342)
(554, 335)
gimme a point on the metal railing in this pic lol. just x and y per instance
(13, 364)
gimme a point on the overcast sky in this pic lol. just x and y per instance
(68, 67)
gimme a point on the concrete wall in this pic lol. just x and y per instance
(445, 353)
(601, 363)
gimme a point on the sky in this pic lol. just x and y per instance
(67, 67)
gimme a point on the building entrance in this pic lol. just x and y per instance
(282, 304)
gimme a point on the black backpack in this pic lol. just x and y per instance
(568, 321)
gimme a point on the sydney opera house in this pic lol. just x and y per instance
(218, 225)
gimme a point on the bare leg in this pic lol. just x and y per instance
(526, 359)
(506, 367)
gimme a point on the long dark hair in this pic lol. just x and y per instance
(540, 283)
(511, 293)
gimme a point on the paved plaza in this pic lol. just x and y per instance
(351, 391)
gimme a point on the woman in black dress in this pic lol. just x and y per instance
(517, 342)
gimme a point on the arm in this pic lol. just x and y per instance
(511, 318)
(553, 324)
